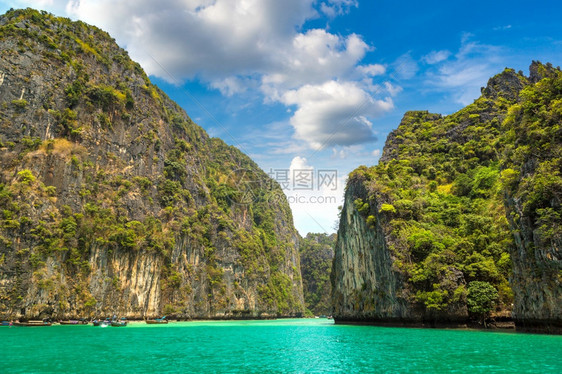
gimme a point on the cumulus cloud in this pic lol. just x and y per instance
(198, 38)
(314, 57)
(334, 113)
(299, 163)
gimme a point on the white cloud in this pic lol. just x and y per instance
(230, 86)
(339, 153)
(359, 153)
(333, 8)
(468, 70)
(434, 57)
(299, 163)
(211, 39)
(215, 40)
(343, 153)
(313, 57)
(405, 67)
(372, 70)
(392, 89)
(334, 113)
(288, 147)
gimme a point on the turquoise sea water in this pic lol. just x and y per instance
(283, 346)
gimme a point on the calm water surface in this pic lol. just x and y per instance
(284, 346)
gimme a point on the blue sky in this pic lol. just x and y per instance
(318, 85)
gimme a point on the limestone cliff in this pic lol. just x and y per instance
(317, 253)
(460, 220)
(366, 287)
(533, 193)
(113, 201)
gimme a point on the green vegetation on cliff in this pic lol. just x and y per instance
(532, 179)
(113, 200)
(440, 190)
(317, 253)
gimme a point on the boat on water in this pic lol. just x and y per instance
(157, 321)
(32, 324)
(110, 322)
(74, 322)
(119, 323)
(101, 323)
(5, 323)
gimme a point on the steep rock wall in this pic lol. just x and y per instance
(113, 201)
(365, 284)
(537, 276)
(533, 196)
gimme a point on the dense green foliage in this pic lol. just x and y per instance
(441, 184)
(532, 163)
(481, 298)
(317, 252)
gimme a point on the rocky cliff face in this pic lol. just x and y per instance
(533, 194)
(317, 253)
(113, 201)
(460, 220)
(366, 287)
